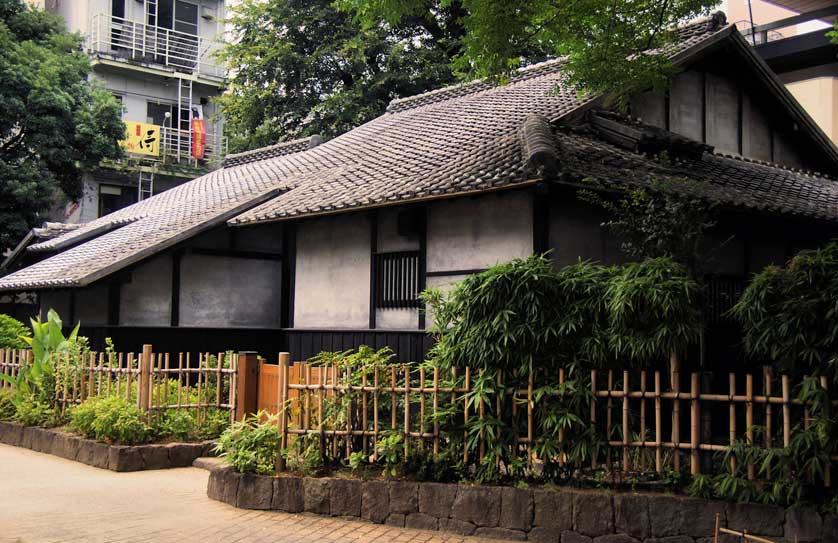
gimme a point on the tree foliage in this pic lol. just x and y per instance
(301, 67)
(54, 123)
(789, 313)
(612, 46)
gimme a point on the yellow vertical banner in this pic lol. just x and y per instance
(141, 138)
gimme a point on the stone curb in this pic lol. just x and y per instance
(102, 455)
(549, 515)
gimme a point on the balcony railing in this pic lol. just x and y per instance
(176, 146)
(140, 42)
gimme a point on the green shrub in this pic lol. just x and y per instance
(7, 405)
(250, 446)
(215, 422)
(111, 419)
(11, 331)
(175, 423)
(30, 411)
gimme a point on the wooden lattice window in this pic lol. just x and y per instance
(396, 279)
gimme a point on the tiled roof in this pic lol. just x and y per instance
(454, 140)
(53, 229)
(729, 180)
(271, 151)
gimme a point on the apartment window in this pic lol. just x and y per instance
(396, 279)
(178, 15)
(114, 197)
(156, 114)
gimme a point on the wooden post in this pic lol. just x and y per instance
(467, 387)
(284, 359)
(675, 381)
(786, 411)
(749, 418)
(625, 421)
(827, 472)
(145, 378)
(658, 424)
(593, 413)
(694, 424)
(643, 419)
(732, 418)
(406, 411)
(247, 384)
(436, 407)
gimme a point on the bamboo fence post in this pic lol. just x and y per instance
(166, 381)
(658, 424)
(179, 379)
(643, 419)
(675, 383)
(144, 378)
(218, 368)
(436, 407)
(110, 373)
(99, 372)
(766, 386)
(308, 394)
(694, 424)
(732, 418)
(827, 472)
(120, 360)
(625, 421)
(421, 405)
(282, 420)
(393, 399)
(91, 382)
(530, 414)
(467, 387)
(498, 405)
(481, 412)
(786, 411)
(128, 374)
(335, 393)
(562, 456)
(609, 405)
(65, 384)
(593, 412)
(749, 418)
(321, 394)
(348, 411)
(406, 411)
(375, 414)
(231, 389)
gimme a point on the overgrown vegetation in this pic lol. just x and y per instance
(12, 332)
(250, 446)
(111, 419)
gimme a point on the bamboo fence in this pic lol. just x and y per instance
(155, 381)
(649, 426)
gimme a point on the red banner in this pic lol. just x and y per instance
(199, 138)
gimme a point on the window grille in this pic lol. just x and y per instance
(396, 279)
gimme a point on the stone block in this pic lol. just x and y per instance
(697, 518)
(673, 539)
(593, 514)
(85, 451)
(664, 515)
(28, 434)
(803, 527)
(375, 501)
(829, 532)
(615, 538)
(544, 535)
(41, 440)
(101, 455)
(122, 458)
(631, 515)
(255, 492)
(421, 521)
(154, 456)
(288, 495)
(70, 447)
(569, 536)
(756, 519)
(404, 497)
(437, 499)
(516, 507)
(316, 496)
(479, 505)
(11, 434)
(208, 448)
(395, 519)
(230, 486)
(214, 485)
(553, 509)
(181, 455)
(501, 533)
(456, 526)
(345, 498)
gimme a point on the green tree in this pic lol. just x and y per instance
(601, 38)
(54, 124)
(301, 67)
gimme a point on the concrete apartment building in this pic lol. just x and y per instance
(157, 58)
(790, 35)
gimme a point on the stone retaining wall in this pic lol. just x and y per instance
(102, 455)
(554, 515)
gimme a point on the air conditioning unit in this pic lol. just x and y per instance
(207, 12)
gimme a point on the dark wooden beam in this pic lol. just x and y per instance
(423, 260)
(289, 267)
(232, 253)
(114, 299)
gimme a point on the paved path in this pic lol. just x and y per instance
(44, 498)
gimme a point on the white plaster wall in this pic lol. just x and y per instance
(685, 105)
(389, 240)
(222, 291)
(147, 299)
(332, 279)
(472, 233)
(722, 98)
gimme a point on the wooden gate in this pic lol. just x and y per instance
(298, 373)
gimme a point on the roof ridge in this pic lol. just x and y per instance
(770, 164)
(272, 151)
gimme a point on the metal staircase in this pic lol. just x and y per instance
(184, 102)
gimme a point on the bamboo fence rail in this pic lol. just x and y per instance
(155, 381)
(628, 406)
